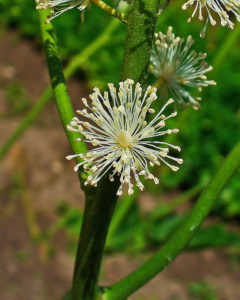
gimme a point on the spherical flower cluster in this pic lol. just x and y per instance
(60, 6)
(221, 7)
(123, 141)
(179, 68)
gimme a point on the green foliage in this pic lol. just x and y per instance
(214, 236)
(71, 220)
(202, 291)
(135, 233)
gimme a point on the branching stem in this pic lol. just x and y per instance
(111, 11)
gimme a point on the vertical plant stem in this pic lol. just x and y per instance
(141, 21)
(99, 207)
(181, 237)
(98, 211)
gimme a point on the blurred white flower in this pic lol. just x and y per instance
(60, 6)
(123, 140)
(178, 68)
(221, 7)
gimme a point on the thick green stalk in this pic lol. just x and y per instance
(141, 21)
(72, 67)
(181, 237)
(137, 72)
(99, 207)
(98, 211)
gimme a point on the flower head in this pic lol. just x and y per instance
(179, 68)
(60, 6)
(123, 140)
(221, 7)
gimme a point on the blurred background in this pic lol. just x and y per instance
(41, 204)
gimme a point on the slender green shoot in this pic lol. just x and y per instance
(58, 83)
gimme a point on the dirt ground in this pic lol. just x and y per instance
(25, 272)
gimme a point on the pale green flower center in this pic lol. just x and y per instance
(124, 139)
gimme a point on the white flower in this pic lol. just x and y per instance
(123, 140)
(222, 7)
(60, 6)
(179, 68)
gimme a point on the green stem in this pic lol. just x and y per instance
(181, 237)
(127, 201)
(99, 207)
(72, 67)
(98, 211)
(141, 22)
(55, 69)
(97, 216)
(109, 10)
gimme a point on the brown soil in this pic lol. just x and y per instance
(25, 272)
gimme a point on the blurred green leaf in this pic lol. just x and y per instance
(214, 236)
(71, 221)
(202, 291)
